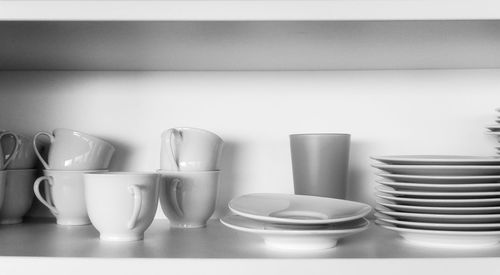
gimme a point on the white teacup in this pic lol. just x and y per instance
(24, 157)
(18, 195)
(72, 150)
(190, 149)
(3, 179)
(65, 195)
(187, 197)
(7, 157)
(121, 205)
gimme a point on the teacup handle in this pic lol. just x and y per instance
(174, 185)
(14, 151)
(51, 139)
(136, 193)
(173, 136)
(36, 188)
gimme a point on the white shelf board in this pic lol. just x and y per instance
(248, 10)
(215, 241)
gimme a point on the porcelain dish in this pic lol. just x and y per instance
(438, 225)
(447, 187)
(290, 237)
(441, 179)
(438, 160)
(297, 209)
(441, 202)
(441, 170)
(406, 193)
(448, 218)
(440, 210)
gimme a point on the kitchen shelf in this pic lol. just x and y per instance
(215, 241)
(247, 10)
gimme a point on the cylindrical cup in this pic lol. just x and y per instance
(190, 149)
(18, 195)
(22, 158)
(121, 205)
(188, 197)
(320, 163)
(71, 150)
(64, 195)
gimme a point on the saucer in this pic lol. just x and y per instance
(441, 210)
(281, 237)
(440, 170)
(441, 202)
(409, 193)
(439, 226)
(297, 209)
(449, 218)
(441, 179)
(438, 160)
(449, 187)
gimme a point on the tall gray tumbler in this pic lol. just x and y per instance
(320, 163)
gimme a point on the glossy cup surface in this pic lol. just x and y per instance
(18, 195)
(25, 157)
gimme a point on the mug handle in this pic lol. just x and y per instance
(51, 139)
(174, 185)
(173, 135)
(14, 151)
(136, 193)
(36, 188)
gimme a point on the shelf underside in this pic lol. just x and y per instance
(249, 45)
(250, 10)
(215, 241)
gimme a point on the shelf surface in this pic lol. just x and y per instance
(215, 241)
(248, 10)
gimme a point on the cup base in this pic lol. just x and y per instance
(11, 220)
(73, 221)
(188, 225)
(121, 238)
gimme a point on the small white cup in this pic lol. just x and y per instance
(64, 196)
(7, 157)
(22, 158)
(190, 149)
(121, 205)
(188, 197)
(18, 195)
(72, 150)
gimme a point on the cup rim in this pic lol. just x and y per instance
(195, 129)
(121, 173)
(84, 134)
(74, 171)
(321, 134)
(162, 171)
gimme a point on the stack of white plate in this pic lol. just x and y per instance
(494, 129)
(440, 200)
(297, 222)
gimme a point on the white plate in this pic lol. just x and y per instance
(441, 179)
(413, 194)
(448, 218)
(440, 210)
(450, 187)
(289, 237)
(442, 238)
(297, 209)
(438, 160)
(440, 170)
(439, 226)
(438, 202)
(494, 127)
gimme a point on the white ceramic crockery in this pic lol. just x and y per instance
(449, 218)
(188, 197)
(441, 179)
(440, 209)
(18, 195)
(121, 205)
(416, 194)
(297, 209)
(438, 160)
(7, 157)
(190, 149)
(438, 225)
(289, 237)
(440, 170)
(477, 202)
(447, 187)
(65, 196)
(22, 158)
(73, 150)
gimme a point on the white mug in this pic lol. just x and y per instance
(188, 197)
(121, 205)
(72, 150)
(22, 158)
(64, 196)
(7, 157)
(190, 149)
(18, 195)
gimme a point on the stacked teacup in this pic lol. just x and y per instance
(17, 173)
(189, 175)
(71, 154)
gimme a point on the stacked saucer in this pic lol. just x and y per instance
(494, 129)
(440, 200)
(297, 222)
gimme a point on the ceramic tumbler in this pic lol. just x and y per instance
(320, 164)
(72, 150)
(121, 205)
(188, 197)
(18, 195)
(64, 195)
(7, 156)
(190, 149)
